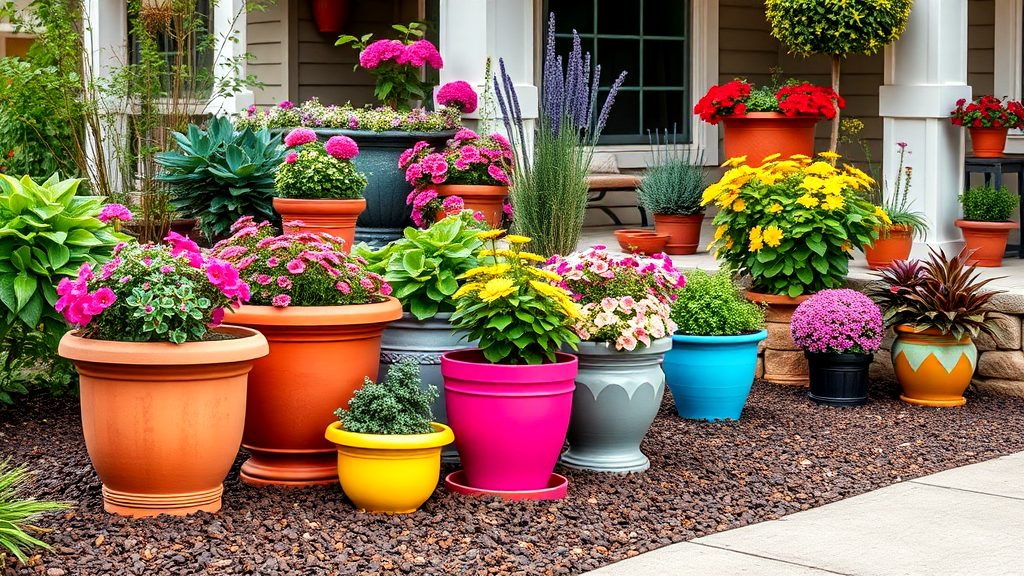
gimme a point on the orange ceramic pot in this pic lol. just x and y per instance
(988, 142)
(335, 217)
(933, 368)
(319, 356)
(757, 135)
(487, 200)
(645, 243)
(683, 232)
(986, 241)
(163, 421)
(784, 362)
(893, 243)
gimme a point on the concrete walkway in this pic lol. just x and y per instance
(964, 521)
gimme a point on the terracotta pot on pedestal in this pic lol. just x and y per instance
(988, 142)
(986, 241)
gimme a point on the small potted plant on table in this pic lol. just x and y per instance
(625, 330)
(986, 223)
(509, 400)
(162, 393)
(389, 450)
(839, 330)
(323, 315)
(714, 351)
(988, 119)
(671, 191)
(936, 307)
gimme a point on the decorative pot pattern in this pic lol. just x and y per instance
(838, 379)
(784, 361)
(933, 369)
(423, 341)
(710, 376)
(617, 396)
(335, 217)
(986, 241)
(757, 135)
(988, 142)
(488, 200)
(683, 232)
(894, 243)
(162, 421)
(319, 356)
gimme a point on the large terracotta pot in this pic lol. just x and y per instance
(393, 474)
(487, 200)
(509, 420)
(162, 421)
(335, 217)
(986, 241)
(933, 368)
(893, 243)
(319, 356)
(757, 135)
(988, 142)
(683, 232)
(784, 361)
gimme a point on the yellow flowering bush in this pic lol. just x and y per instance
(791, 223)
(513, 308)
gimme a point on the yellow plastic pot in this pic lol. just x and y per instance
(394, 474)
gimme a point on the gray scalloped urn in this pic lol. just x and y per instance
(423, 341)
(617, 396)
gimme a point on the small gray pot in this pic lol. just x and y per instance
(617, 396)
(424, 341)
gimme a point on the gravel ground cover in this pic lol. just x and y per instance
(784, 456)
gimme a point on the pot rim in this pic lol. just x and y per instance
(933, 332)
(841, 355)
(452, 361)
(604, 348)
(770, 116)
(679, 218)
(318, 205)
(732, 339)
(387, 134)
(352, 314)
(472, 189)
(441, 436)
(984, 225)
(765, 298)
(251, 345)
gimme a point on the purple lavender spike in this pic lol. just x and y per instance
(607, 108)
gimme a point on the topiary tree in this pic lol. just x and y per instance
(837, 28)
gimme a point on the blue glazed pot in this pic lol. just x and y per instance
(710, 376)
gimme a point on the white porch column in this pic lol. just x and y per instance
(229, 27)
(472, 30)
(106, 48)
(925, 74)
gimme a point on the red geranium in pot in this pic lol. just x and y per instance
(989, 119)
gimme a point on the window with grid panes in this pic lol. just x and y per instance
(650, 40)
(196, 54)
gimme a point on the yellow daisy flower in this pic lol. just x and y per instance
(739, 205)
(755, 233)
(517, 239)
(820, 169)
(882, 216)
(544, 274)
(800, 157)
(720, 231)
(736, 161)
(828, 155)
(490, 234)
(833, 203)
(497, 288)
(807, 201)
(530, 257)
(728, 244)
(772, 236)
(775, 208)
(466, 289)
(812, 183)
(756, 245)
(771, 157)
(495, 270)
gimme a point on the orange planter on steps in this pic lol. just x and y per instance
(319, 356)
(988, 142)
(683, 232)
(162, 421)
(893, 243)
(986, 241)
(336, 217)
(487, 200)
(757, 135)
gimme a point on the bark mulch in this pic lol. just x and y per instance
(784, 456)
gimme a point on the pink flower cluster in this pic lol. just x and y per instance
(76, 303)
(625, 300)
(838, 321)
(115, 212)
(342, 147)
(418, 54)
(458, 94)
(299, 136)
(223, 275)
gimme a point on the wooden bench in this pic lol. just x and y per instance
(600, 184)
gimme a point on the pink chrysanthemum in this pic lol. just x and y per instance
(281, 301)
(838, 321)
(458, 94)
(115, 212)
(299, 136)
(342, 147)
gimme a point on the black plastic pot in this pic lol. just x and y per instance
(838, 379)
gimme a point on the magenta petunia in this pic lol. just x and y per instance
(299, 136)
(342, 147)
(458, 94)
(498, 174)
(115, 212)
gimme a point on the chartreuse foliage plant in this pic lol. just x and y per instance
(219, 174)
(512, 307)
(423, 266)
(398, 405)
(988, 204)
(791, 223)
(17, 511)
(711, 304)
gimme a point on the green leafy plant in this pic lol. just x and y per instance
(18, 511)
(313, 170)
(313, 114)
(837, 29)
(398, 405)
(423, 266)
(219, 175)
(674, 182)
(711, 304)
(762, 99)
(988, 204)
(29, 361)
(939, 293)
(46, 233)
(512, 308)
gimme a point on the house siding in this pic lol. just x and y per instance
(981, 34)
(267, 37)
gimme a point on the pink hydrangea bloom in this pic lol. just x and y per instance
(291, 158)
(458, 94)
(465, 134)
(470, 154)
(115, 212)
(382, 51)
(424, 198)
(299, 136)
(423, 53)
(342, 147)
(413, 173)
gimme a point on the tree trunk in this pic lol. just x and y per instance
(834, 143)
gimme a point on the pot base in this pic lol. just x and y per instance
(557, 488)
(601, 463)
(137, 505)
(936, 403)
(825, 401)
(291, 473)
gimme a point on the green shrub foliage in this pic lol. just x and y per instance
(398, 405)
(988, 204)
(673, 185)
(29, 361)
(712, 305)
(316, 175)
(219, 175)
(17, 512)
(837, 28)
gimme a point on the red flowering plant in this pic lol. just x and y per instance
(397, 63)
(298, 269)
(466, 159)
(988, 112)
(152, 293)
(739, 97)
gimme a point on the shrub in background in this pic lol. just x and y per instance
(674, 182)
(988, 204)
(398, 405)
(17, 512)
(712, 305)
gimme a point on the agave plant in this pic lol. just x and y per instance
(940, 293)
(17, 511)
(219, 175)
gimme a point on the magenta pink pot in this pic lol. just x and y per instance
(509, 421)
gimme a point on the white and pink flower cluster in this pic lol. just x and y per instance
(625, 300)
(417, 54)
